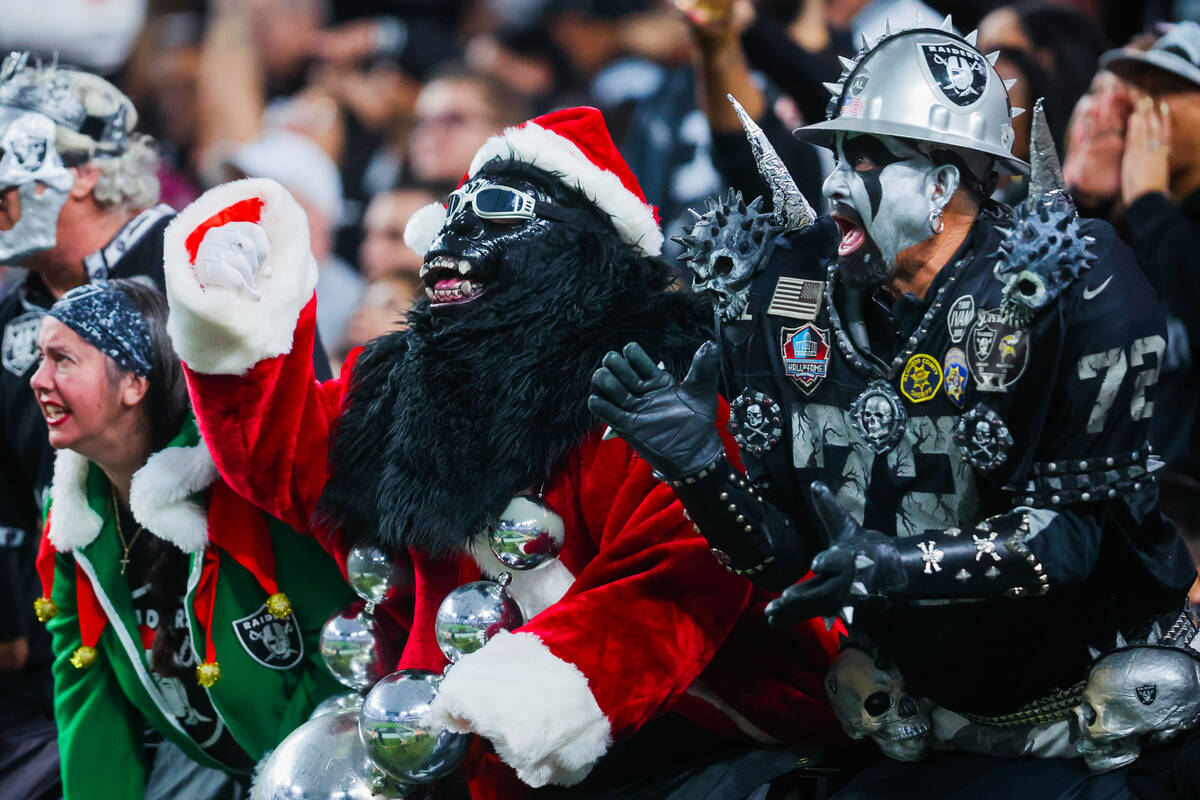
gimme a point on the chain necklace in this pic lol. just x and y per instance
(120, 533)
(855, 359)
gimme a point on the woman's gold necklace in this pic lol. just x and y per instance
(121, 533)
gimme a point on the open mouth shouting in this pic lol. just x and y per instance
(450, 281)
(849, 223)
(54, 413)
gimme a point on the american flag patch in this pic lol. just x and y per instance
(852, 107)
(797, 298)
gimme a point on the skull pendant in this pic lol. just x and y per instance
(878, 416)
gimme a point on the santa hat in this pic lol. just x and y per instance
(573, 145)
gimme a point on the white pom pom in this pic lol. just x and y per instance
(423, 227)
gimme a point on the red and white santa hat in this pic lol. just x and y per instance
(575, 146)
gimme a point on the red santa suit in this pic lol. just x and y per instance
(634, 619)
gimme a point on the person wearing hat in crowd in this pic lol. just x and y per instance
(633, 662)
(78, 202)
(172, 603)
(943, 412)
(1158, 195)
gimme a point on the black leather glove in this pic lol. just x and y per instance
(671, 425)
(858, 564)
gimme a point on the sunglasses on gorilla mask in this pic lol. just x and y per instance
(496, 201)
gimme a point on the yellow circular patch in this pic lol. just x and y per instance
(921, 379)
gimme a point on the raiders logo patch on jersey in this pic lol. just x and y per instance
(271, 641)
(20, 342)
(959, 74)
(997, 352)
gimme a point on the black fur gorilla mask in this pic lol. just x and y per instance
(486, 389)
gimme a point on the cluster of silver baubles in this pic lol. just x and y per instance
(382, 744)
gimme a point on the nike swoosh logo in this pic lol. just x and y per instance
(1088, 294)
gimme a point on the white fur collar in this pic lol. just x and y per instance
(158, 498)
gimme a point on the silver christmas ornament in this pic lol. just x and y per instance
(474, 613)
(528, 534)
(374, 576)
(395, 729)
(324, 759)
(337, 702)
(360, 648)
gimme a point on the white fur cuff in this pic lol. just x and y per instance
(223, 331)
(535, 709)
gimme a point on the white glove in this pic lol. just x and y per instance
(233, 256)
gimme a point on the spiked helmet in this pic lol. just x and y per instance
(926, 84)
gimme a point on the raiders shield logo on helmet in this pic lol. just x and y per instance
(960, 74)
(271, 641)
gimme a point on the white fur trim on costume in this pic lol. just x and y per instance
(423, 227)
(73, 523)
(546, 150)
(535, 709)
(223, 331)
(159, 492)
(535, 590)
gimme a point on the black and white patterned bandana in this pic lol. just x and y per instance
(106, 317)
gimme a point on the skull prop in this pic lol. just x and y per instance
(1135, 696)
(871, 700)
(729, 244)
(1043, 252)
(877, 417)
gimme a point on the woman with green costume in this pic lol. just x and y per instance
(152, 566)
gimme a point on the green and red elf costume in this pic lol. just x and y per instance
(257, 594)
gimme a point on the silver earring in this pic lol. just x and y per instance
(936, 223)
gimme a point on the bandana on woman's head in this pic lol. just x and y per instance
(106, 317)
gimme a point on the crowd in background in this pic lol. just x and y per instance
(368, 110)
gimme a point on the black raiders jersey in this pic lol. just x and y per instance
(942, 421)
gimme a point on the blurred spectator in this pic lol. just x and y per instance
(383, 251)
(1062, 41)
(94, 35)
(312, 177)
(1138, 151)
(455, 113)
(382, 310)
(528, 60)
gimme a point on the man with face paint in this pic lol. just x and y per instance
(960, 394)
(542, 260)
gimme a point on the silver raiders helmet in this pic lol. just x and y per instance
(926, 84)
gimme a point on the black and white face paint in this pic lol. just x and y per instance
(29, 162)
(884, 193)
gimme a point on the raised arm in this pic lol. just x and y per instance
(240, 283)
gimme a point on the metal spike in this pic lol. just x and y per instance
(1155, 633)
(1046, 182)
(684, 257)
(828, 622)
(867, 43)
(993, 57)
(834, 89)
(848, 64)
(609, 433)
(887, 27)
(1016, 112)
(1009, 83)
(791, 209)
(695, 213)
(848, 614)
(947, 23)
(858, 588)
(1093, 652)
(1121, 640)
(971, 37)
